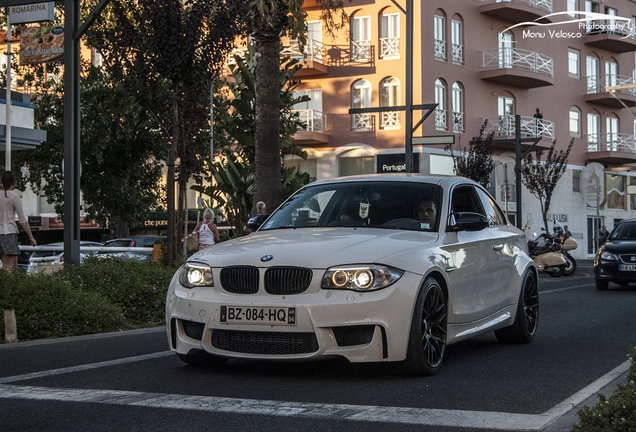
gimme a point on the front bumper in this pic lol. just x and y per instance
(372, 326)
(609, 271)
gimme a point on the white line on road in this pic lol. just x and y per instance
(421, 416)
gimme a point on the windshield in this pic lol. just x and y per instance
(624, 231)
(391, 205)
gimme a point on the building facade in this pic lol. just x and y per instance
(476, 62)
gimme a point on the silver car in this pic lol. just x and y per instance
(48, 261)
(378, 268)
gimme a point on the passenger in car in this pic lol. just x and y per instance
(426, 213)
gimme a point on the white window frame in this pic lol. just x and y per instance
(441, 122)
(457, 101)
(390, 35)
(457, 41)
(574, 63)
(439, 29)
(574, 121)
(361, 98)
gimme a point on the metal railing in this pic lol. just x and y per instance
(360, 50)
(315, 120)
(390, 47)
(362, 122)
(440, 119)
(458, 53)
(458, 122)
(530, 127)
(596, 84)
(314, 50)
(440, 49)
(544, 5)
(513, 58)
(613, 142)
(390, 120)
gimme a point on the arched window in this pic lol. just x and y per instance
(575, 122)
(611, 128)
(390, 96)
(439, 27)
(361, 98)
(457, 39)
(390, 35)
(458, 108)
(440, 100)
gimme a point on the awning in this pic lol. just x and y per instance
(22, 138)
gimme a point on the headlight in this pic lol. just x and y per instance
(608, 256)
(196, 274)
(360, 278)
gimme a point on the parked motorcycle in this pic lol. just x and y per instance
(547, 256)
(567, 243)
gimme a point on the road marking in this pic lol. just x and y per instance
(420, 416)
(564, 289)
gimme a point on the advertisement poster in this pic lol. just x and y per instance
(41, 44)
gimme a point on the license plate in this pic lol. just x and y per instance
(627, 267)
(258, 315)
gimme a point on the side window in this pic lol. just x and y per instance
(465, 200)
(493, 213)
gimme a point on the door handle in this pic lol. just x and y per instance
(498, 247)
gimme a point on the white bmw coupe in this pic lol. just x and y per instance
(371, 268)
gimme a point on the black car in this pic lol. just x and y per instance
(615, 260)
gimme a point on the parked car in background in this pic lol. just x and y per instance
(48, 261)
(615, 260)
(147, 241)
(372, 268)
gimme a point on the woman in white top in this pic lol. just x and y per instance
(10, 205)
(208, 232)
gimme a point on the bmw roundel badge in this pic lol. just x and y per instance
(267, 258)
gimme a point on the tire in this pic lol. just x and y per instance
(201, 358)
(601, 285)
(524, 327)
(557, 271)
(427, 337)
(570, 266)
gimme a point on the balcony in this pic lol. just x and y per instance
(517, 11)
(616, 149)
(312, 57)
(596, 92)
(361, 51)
(617, 37)
(504, 127)
(441, 123)
(516, 67)
(458, 122)
(314, 132)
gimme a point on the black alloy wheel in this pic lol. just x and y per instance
(526, 322)
(427, 340)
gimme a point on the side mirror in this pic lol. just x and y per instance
(467, 221)
(256, 221)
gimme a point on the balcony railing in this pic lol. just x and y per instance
(617, 142)
(530, 127)
(620, 28)
(440, 49)
(597, 84)
(544, 5)
(441, 122)
(362, 122)
(458, 53)
(390, 47)
(360, 50)
(314, 50)
(315, 120)
(390, 120)
(458, 122)
(513, 58)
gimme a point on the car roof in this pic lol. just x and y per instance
(443, 180)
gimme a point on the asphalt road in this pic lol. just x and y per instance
(129, 381)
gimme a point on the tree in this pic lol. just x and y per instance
(157, 45)
(234, 132)
(541, 178)
(268, 19)
(119, 156)
(475, 162)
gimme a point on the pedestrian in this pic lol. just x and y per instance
(207, 229)
(261, 209)
(10, 205)
(538, 119)
(601, 235)
(567, 231)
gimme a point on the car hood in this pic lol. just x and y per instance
(317, 247)
(621, 246)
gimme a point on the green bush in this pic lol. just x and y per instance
(614, 414)
(100, 295)
(46, 306)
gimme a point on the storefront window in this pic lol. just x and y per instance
(615, 190)
(356, 165)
